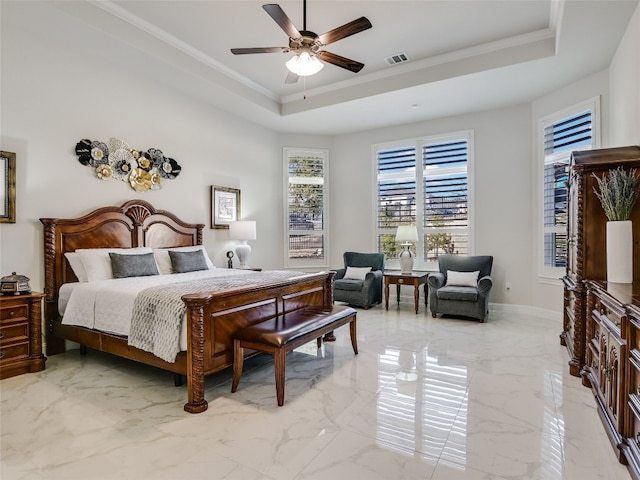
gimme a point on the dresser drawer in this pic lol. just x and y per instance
(608, 312)
(14, 312)
(16, 351)
(14, 332)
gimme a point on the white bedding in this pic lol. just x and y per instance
(107, 305)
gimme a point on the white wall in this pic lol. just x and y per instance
(53, 95)
(624, 81)
(502, 158)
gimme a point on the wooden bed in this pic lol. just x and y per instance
(212, 318)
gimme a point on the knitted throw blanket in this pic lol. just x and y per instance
(158, 312)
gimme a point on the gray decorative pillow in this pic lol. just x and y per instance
(141, 265)
(182, 262)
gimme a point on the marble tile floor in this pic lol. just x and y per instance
(438, 399)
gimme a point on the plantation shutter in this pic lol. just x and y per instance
(560, 139)
(396, 195)
(446, 196)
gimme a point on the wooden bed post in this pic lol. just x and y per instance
(328, 294)
(195, 353)
(53, 344)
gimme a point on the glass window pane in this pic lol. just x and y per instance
(306, 246)
(305, 212)
(450, 242)
(555, 249)
(556, 176)
(387, 244)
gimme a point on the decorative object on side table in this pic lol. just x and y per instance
(230, 259)
(8, 187)
(406, 234)
(243, 231)
(618, 194)
(14, 284)
(117, 160)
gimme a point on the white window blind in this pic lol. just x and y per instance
(446, 184)
(396, 195)
(424, 183)
(573, 132)
(306, 208)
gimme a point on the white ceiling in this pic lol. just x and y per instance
(464, 55)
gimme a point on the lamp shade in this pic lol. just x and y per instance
(242, 230)
(304, 64)
(407, 233)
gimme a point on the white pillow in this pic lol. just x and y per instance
(356, 273)
(76, 265)
(164, 261)
(97, 263)
(462, 279)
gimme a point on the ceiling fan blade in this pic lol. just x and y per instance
(345, 30)
(244, 51)
(339, 61)
(275, 12)
(291, 78)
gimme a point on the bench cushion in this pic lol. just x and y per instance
(283, 329)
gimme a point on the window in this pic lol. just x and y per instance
(306, 209)
(562, 133)
(424, 182)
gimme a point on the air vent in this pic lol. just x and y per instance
(398, 58)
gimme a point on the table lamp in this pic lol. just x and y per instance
(406, 234)
(243, 230)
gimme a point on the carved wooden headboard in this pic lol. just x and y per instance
(134, 224)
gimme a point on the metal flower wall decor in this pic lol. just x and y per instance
(117, 160)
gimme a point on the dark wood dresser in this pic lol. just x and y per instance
(613, 364)
(21, 334)
(586, 241)
(631, 446)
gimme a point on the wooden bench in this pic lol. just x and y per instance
(286, 332)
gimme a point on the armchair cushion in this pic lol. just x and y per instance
(349, 284)
(462, 279)
(465, 294)
(356, 273)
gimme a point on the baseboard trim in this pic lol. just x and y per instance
(525, 310)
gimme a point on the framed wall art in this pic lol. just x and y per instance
(8, 187)
(225, 206)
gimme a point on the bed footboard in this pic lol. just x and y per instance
(214, 318)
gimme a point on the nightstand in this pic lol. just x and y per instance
(21, 334)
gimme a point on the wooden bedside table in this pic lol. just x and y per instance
(396, 278)
(21, 334)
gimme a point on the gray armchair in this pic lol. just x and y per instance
(463, 300)
(361, 293)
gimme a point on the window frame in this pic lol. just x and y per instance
(548, 273)
(418, 143)
(307, 263)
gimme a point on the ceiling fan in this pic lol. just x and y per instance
(306, 44)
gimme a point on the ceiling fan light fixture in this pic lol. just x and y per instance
(303, 64)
